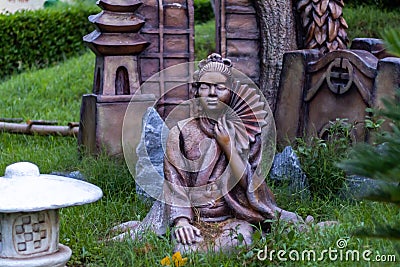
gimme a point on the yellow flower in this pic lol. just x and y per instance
(166, 261)
(178, 260)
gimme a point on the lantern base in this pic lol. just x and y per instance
(58, 259)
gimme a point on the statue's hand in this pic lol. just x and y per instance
(222, 134)
(185, 232)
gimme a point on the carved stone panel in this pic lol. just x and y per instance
(28, 234)
(341, 86)
(31, 233)
(317, 89)
(112, 75)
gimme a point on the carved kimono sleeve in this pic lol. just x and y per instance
(255, 202)
(177, 199)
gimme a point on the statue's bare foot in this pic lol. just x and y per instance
(124, 227)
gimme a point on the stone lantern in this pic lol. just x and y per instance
(117, 44)
(29, 215)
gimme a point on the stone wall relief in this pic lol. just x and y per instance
(326, 81)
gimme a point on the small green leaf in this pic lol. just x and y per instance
(291, 235)
(240, 238)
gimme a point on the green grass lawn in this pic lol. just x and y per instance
(55, 94)
(51, 94)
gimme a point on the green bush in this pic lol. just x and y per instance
(86, 2)
(40, 38)
(203, 11)
(370, 22)
(377, 3)
(318, 159)
(53, 3)
(205, 39)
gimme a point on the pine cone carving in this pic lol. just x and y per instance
(323, 24)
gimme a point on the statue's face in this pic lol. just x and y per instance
(213, 91)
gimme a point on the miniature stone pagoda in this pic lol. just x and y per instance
(117, 44)
(29, 215)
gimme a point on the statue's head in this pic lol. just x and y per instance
(213, 83)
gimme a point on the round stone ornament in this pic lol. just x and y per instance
(24, 189)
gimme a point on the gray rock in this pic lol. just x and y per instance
(382, 149)
(149, 167)
(286, 169)
(357, 187)
(74, 175)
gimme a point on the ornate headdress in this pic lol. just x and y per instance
(214, 63)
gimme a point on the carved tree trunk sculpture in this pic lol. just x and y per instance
(278, 35)
(323, 25)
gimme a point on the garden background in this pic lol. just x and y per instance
(45, 69)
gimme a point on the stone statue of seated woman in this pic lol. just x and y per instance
(212, 162)
(214, 188)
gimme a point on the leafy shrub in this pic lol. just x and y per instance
(40, 38)
(369, 21)
(53, 3)
(392, 40)
(377, 3)
(381, 163)
(318, 159)
(205, 39)
(203, 11)
(88, 2)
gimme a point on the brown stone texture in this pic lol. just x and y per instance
(102, 119)
(237, 47)
(387, 81)
(372, 45)
(106, 74)
(241, 26)
(132, 124)
(174, 43)
(289, 101)
(115, 44)
(169, 28)
(238, 35)
(87, 125)
(116, 22)
(119, 5)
